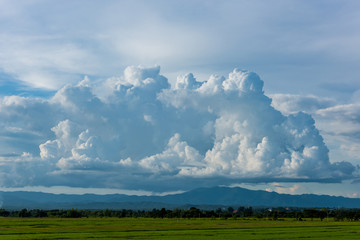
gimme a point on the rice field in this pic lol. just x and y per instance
(148, 228)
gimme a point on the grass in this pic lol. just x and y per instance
(146, 228)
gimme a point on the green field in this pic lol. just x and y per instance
(147, 228)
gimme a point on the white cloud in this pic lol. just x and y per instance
(294, 44)
(176, 156)
(141, 132)
(339, 124)
(295, 189)
(44, 61)
(289, 104)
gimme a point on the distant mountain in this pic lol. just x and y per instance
(204, 197)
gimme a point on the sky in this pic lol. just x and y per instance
(165, 96)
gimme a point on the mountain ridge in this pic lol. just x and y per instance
(215, 196)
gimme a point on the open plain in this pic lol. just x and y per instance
(148, 228)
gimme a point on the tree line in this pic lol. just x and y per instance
(299, 214)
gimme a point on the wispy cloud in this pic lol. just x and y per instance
(47, 45)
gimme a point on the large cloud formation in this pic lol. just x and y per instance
(138, 132)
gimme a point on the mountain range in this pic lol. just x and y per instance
(205, 198)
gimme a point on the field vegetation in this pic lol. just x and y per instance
(175, 228)
(192, 223)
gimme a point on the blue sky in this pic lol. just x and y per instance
(74, 113)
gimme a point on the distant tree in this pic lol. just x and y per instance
(4, 213)
(73, 213)
(241, 211)
(323, 213)
(107, 213)
(339, 214)
(162, 213)
(194, 212)
(311, 213)
(275, 215)
(248, 212)
(24, 213)
(38, 213)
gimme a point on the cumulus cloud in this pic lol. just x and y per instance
(339, 124)
(289, 104)
(177, 155)
(135, 131)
